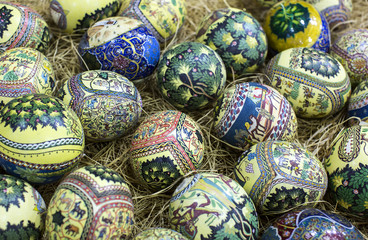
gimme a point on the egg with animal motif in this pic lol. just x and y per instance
(92, 202)
(107, 103)
(248, 113)
(24, 71)
(22, 26)
(159, 234)
(166, 146)
(41, 138)
(315, 83)
(22, 209)
(280, 175)
(120, 44)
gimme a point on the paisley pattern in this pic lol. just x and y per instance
(191, 76)
(212, 206)
(237, 37)
(301, 224)
(92, 202)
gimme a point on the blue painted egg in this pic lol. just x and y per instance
(120, 44)
(358, 102)
(248, 113)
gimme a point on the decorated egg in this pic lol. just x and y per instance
(24, 71)
(237, 37)
(280, 175)
(191, 76)
(165, 146)
(92, 202)
(73, 16)
(163, 18)
(347, 170)
(358, 102)
(41, 138)
(315, 84)
(120, 44)
(351, 49)
(248, 113)
(312, 224)
(107, 104)
(21, 26)
(22, 209)
(212, 206)
(159, 234)
(296, 23)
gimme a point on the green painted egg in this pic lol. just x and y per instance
(315, 84)
(237, 37)
(159, 234)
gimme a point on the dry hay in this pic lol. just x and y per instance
(151, 210)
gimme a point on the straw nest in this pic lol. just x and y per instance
(151, 210)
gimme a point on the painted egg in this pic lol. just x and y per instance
(315, 84)
(351, 49)
(107, 104)
(237, 37)
(280, 175)
(347, 170)
(296, 23)
(22, 209)
(120, 44)
(303, 224)
(166, 145)
(41, 138)
(24, 71)
(358, 102)
(93, 202)
(191, 76)
(159, 234)
(73, 16)
(163, 18)
(248, 113)
(21, 26)
(212, 206)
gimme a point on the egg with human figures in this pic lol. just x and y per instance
(315, 84)
(351, 49)
(296, 23)
(24, 71)
(166, 146)
(358, 103)
(22, 209)
(107, 103)
(237, 37)
(190, 76)
(347, 170)
(92, 202)
(280, 176)
(41, 138)
(303, 224)
(163, 18)
(76, 16)
(248, 113)
(120, 44)
(213, 206)
(159, 234)
(22, 26)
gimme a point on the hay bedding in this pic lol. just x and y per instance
(151, 210)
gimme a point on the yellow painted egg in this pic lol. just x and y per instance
(163, 18)
(92, 202)
(41, 138)
(107, 104)
(21, 26)
(159, 234)
(315, 84)
(73, 16)
(280, 175)
(22, 209)
(166, 146)
(296, 23)
(347, 169)
(24, 71)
